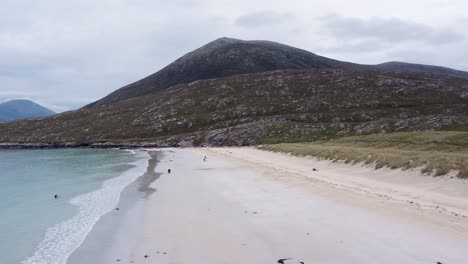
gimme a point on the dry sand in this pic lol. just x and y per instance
(249, 206)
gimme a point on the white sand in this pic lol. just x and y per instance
(251, 206)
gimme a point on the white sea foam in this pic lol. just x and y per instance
(130, 150)
(62, 239)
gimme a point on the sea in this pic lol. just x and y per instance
(36, 227)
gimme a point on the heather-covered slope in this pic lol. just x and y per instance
(410, 67)
(279, 106)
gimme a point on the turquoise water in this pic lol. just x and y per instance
(35, 227)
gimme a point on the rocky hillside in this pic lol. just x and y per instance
(20, 109)
(278, 106)
(226, 57)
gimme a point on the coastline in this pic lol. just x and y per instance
(250, 206)
(116, 232)
(103, 174)
(105, 145)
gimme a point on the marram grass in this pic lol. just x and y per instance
(437, 152)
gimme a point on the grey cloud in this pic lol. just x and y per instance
(70, 59)
(389, 30)
(360, 46)
(259, 19)
(69, 53)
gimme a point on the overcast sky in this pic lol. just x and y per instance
(65, 54)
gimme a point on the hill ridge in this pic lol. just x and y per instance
(226, 57)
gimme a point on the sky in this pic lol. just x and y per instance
(65, 54)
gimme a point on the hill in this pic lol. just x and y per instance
(20, 109)
(269, 107)
(226, 57)
(235, 92)
(222, 58)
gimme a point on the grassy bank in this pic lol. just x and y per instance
(438, 152)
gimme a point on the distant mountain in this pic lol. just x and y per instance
(20, 109)
(226, 57)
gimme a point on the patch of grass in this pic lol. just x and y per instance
(455, 128)
(438, 152)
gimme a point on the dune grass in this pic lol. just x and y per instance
(436, 152)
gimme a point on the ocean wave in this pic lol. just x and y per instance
(62, 239)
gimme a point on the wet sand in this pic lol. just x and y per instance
(116, 233)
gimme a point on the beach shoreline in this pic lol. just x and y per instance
(116, 232)
(245, 205)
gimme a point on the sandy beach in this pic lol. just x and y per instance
(245, 205)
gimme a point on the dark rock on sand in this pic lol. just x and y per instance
(286, 260)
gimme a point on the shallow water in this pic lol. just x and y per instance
(35, 227)
(116, 233)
